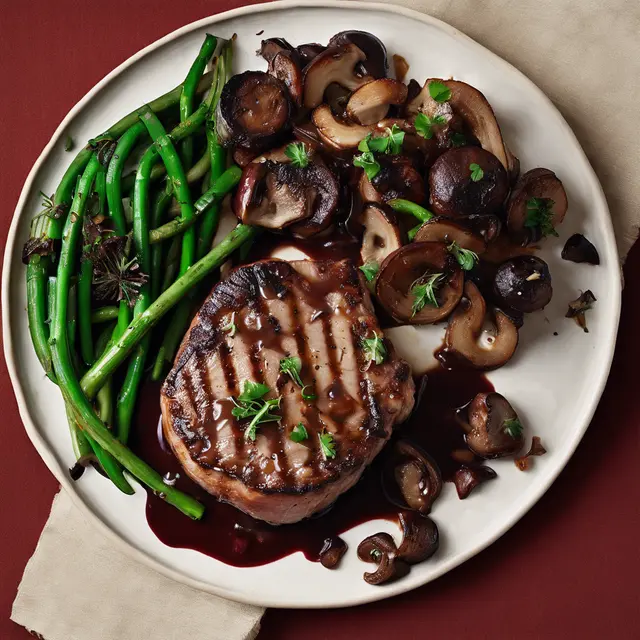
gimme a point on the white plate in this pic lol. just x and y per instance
(555, 382)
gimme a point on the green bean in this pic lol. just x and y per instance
(104, 314)
(37, 271)
(84, 311)
(406, 206)
(173, 262)
(104, 398)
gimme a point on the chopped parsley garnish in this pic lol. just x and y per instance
(307, 396)
(297, 153)
(424, 292)
(424, 124)
(299, 433)
(231, 327)
(370, 270)
(439, 91)
(540, 216)
(391, 143)
(466, 258)
(367, 161)
(513, 427)
(374, 349)
(292, 367)
(327, 445)
(251, 404)
(477, 173)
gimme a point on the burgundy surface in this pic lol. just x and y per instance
(569, 569)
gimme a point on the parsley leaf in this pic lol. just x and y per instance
(307, 396)
(439, 91)
(374, 349)
(370, 270)
(253, 391)
(424, 124)
(367, 162)
(327, 445)
(231, 327)
(250, 404)
(466, 258)
(299, 433)
(540, 216)
(477, 173)
(298, 154)
(513, 427)
(425, 292)
(292, 367)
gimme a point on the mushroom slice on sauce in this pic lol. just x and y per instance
(376, 64)
(402, 274)
(448, 231)
(381, 549)
(494, 429)
(284, 66)
(370, 103)
(397, 178)
(536, 207)
(381, 234)
(465, 331)
(335, 64)
(335, 133)
(254, 111)
(420, 538)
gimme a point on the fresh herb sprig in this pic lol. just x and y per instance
(370, 270)
(251, 404)
(298, 154)
(230, 327)
(513, 427)
(327, 445)
(439, 91)
(540, 216)
(477, 172)
(293, 367)
(424, 124)
(466, 258)
(374, 349)
(366, 160)
(390, 143)
(299, 433)
(424, 292)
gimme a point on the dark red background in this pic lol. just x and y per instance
(567, 570)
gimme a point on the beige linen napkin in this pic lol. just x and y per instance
(586, 56)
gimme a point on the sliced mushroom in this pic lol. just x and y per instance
(467, 181)
(487, 226)
(578, 308)
(337, 98)
(420, 538)
(502, 249)
(254, 111)
(381, 549)
(397, 178)
(524, 462)
(336, 64)
(410, 266)
(448, 231)
(335, 133)
(578, 249)
(524, 283)
(271, 47)
(424, 103)
(410, 478)
(466, 479)
(276, 195)
(381, 234)
(309, 51)
(278, 154)
(494, 429)
(285, 67)
(370, 103)
(332, 551)
(539, 194)
(465, 330)
(376, 64)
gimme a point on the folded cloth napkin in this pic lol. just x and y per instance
(586, 57)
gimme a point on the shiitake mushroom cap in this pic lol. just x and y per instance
(524, 283)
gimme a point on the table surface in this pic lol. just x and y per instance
(567, 569)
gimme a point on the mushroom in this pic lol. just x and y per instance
(376, 64)
(275, 195)
(397, 178)
(284, 66)
(271, 47)
(420, 538)
(370, 103)
(337, 98)
(410, 478)
(448, 231)
(443, 111)
(254, 111)
(332, 551)
(537, 206)
(523, 283)
(466, 479)
(466, 181)
(336, 64)
(524, 462)
(487, 226)
(381, 234)
(335, 133)
(381, 549)
(578, 249)
(465, 331)
(415, 276)
(493, 429)
(309, 51)
(578, 308)
(424, 152)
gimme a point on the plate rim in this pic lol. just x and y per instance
(49, 457)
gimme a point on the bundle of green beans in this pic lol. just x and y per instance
(86, 212)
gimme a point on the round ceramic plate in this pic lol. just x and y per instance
(554, 381)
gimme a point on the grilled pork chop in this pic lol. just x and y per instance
(319, 312)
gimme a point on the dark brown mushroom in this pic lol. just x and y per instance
(376, 64)
(446, 230)
(337, 133)
(254, 111)
(523, 283)
(578, 308)
(458, 188)
(309, 51)
(332, 551)
(381, 234)
(466, 479)
(397, 178)
(400, 287)
(381, 549)
(271, 47)
(578, 249)
(285, 67)
(465, 334)
(411, 478)
(494, 429)
(420, 537)
(488, 227)
(370, 103)
(536, 207)
(337, 98)
(336, 64)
